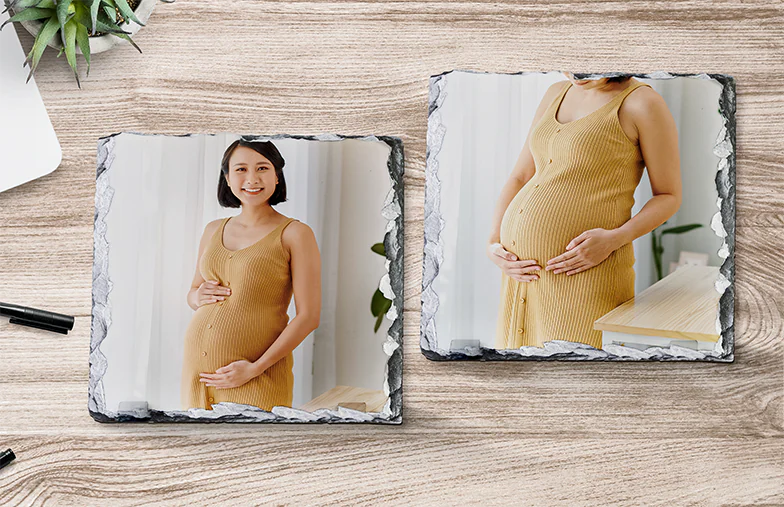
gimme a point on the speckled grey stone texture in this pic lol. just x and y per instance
(723, 224)
(392, 286)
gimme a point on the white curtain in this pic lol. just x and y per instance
(165, 193)
(487, 118)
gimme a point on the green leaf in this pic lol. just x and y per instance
(126, 11)
(83, 40)
(70, 47)
(377, 303)
(681, 229)
(63, 15)
(29, 14)
(379, 249)
(384, 309)
(126, 37)
(82, 15)
(18, 5)
(105, 24)
(45, 4)
(41, 40)
(94, 13)
(110, 13)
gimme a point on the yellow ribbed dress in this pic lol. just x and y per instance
(586, 174)
(243, 325)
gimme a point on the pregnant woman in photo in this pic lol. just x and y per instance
(238, 346)
(562, 228)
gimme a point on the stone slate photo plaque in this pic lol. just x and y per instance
(579, 217)
(247, 278)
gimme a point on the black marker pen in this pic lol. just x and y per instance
(6, 457)
(41, 319)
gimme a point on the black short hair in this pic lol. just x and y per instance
(619, 79)
(226, 197)
(615, 79)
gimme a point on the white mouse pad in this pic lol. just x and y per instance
(28, 146)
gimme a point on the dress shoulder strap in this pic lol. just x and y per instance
(621, 96)
(217, 236)
(286, 224)
(556, 103)
(279, 239)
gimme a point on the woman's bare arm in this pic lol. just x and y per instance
(193, 293)
(306, 284)
(524, 169)
(658, 136)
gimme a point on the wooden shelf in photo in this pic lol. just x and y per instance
(684, 305)
(356, 398)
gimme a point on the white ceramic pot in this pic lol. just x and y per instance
(103, 42)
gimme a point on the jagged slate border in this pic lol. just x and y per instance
(723, 224)
(392, 286)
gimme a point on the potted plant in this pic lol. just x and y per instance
(76, 27)
(379, 304)
(657, 247)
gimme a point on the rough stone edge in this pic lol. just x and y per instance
(723, 225)
(392, 413)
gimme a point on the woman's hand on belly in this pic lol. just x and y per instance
(522, 271)
(211, 292)
(232, 375)
(585, 251)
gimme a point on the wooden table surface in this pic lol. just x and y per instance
(473, 433)
(373, 400)
(683, 305)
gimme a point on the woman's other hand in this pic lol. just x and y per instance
(522, 271)
(211, 292)
(232, 375)
(585, 251)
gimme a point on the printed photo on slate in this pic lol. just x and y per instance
(247, 278)
(580, 217)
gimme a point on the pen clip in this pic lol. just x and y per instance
(38, 325)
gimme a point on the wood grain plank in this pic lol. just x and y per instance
(489, 433)
(208, 469)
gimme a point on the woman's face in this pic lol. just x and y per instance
(251, 176)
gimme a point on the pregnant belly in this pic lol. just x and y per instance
(540, 222)
(232, 330)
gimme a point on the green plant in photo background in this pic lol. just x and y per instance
(379, 305)
(658, 249)
(73, 22)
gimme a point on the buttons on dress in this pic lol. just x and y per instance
(536, 186)
(204, 353)
(519, 330)
(220, 303)
(558, 130)
(209, 326)
(211, 399)
(228, 284)
(513, 243)
(231, 255)
(551, 161)
(522, 300)
(520, 210)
